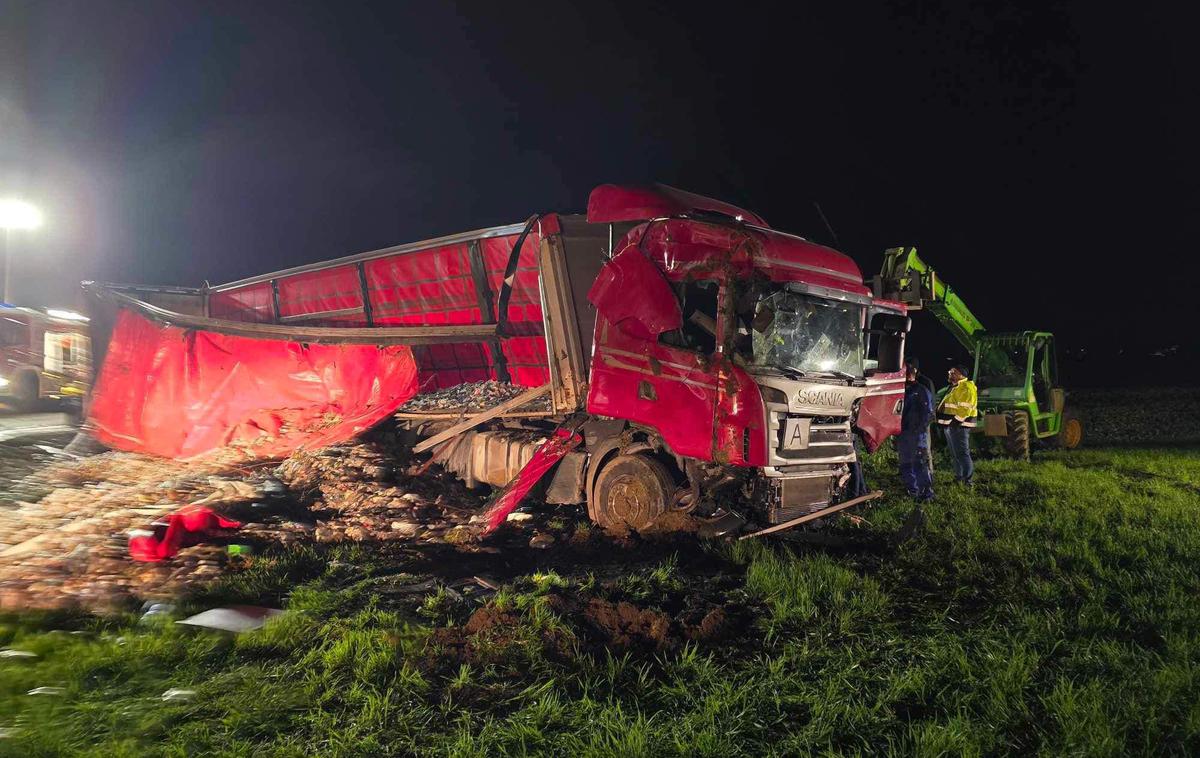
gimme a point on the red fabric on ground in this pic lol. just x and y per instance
(189, 524)
(179, 393)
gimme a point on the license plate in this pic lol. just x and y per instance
(795, 433)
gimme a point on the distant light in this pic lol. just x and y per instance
(66, 315)
(15, 214)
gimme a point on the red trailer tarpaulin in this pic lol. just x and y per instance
(180, 393)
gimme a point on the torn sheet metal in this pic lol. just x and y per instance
(179, 393)
(551, 452)
(738, 436)
(879, 410)
(631, 293)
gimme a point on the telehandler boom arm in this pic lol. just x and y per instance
(907, 278)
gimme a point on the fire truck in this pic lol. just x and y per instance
(44, 356)
(697, 356)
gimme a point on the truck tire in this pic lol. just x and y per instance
(631, 492)
(1070, 433)
(1016, 444)
(25, 392)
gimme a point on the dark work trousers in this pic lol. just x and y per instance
(958, 439)
(913, 450)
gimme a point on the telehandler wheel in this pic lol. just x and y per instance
(1070, 434)
(25, 393)
(1016, 444)
(631, 492)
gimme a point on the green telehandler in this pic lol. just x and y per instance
(1016, 373)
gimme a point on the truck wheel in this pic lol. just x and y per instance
(1016, 444)
(631, 492)
(25, 394)
(1070, 434)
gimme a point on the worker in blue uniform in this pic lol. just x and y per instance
(913, 442)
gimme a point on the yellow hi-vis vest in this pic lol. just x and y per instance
(959, 405)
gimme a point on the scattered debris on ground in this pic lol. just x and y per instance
(66, 542)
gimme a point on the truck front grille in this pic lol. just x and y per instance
(829, 441)
(793, 498)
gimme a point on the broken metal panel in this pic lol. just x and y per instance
(562, 332)
(632, 294)
(586, 248)
(684, 390)
(739, 436)
(879, 411)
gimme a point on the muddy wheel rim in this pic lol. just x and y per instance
(1073, 433)
(631, 501)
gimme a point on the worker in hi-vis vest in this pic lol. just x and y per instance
(957, 413)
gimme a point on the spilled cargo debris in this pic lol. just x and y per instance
(471, 397)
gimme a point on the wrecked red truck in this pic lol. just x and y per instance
(681, 355)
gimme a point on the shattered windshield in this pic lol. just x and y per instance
(794, 331)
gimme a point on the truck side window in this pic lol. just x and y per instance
(12, 333)
(884, 342)
(698, 301)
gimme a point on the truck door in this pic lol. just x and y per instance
(664, 382)
(879, 411)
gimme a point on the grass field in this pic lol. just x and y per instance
(1053, 610)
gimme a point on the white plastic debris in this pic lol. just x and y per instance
(236, 618)
(518, 516)
(174, 695)
(47, 691)
(10, 653)
(157, 611)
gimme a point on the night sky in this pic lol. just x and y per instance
(1044, 156)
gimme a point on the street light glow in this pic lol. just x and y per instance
(15, 214)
